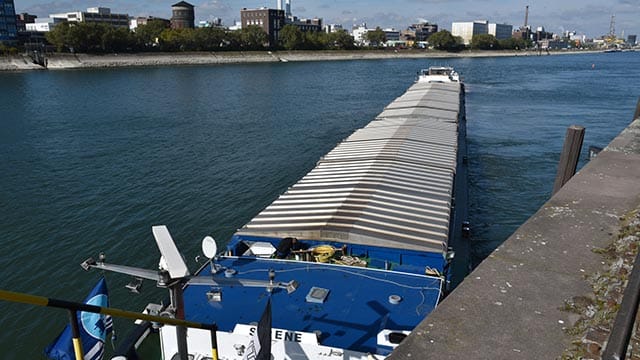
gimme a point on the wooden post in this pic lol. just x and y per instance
(569, 156)
(637, 114)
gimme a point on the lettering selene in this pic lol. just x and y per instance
(283, 335)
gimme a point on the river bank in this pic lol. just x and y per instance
(77, 61)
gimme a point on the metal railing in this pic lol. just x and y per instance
(74, 307)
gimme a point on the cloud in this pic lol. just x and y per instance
(216, 9)
(44, 9)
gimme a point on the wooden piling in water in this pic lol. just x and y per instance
(569, 156)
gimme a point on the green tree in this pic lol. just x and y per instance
(148, 36)
(82, 38)
(315, 40)
(484, 42)
(444, 40)
(178, 40)
(209, 39)
(341, 40)
(8, 50)
(233, 40)
(376, 37)
(291, 37)
(253, 37)
(58, 36)
(118, 39)
(514, 43)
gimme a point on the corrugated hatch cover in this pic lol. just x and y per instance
(388, 184)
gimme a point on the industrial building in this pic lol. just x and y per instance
(501, 31)
(273, 20)
(285, 5)
(182, 16)
(270, 20)
(8, 28)
(466, 30)
(93, 15)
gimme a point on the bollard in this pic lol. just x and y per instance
(569, 156)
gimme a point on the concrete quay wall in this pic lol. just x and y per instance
(512, 306)
(58, 61)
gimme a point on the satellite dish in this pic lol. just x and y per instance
(209, 247)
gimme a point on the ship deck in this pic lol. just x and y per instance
(355, 310)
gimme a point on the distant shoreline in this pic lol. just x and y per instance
(87, 61)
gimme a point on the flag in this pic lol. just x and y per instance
(93, 329)
(260, 345)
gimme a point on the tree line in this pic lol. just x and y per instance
(444, 40)
(155, 36)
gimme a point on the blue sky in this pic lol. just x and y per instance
(590, 17)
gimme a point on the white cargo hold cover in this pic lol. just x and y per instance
(389, 184)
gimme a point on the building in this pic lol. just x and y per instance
(417, 34)
(141, 20)
(183, 16)
(270, 20)
(305, 25)
(23, 19)
(42, 25)
(285, 5)
(422, 31)
(522, 33)
(554, 44)
(466, 30)
(237, 26)
(501, 31)
(632, 40)
(358, 32)
(8, 27)
(541, 34)
(93, 15)
(332, 28)
(213, 23)
(392, 34)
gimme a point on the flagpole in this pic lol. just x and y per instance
(74, 306)
(214, 342)
(75, 332)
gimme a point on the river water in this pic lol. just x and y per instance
(91, 159)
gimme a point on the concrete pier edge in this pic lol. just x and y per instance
(61, 61)
(512, 305)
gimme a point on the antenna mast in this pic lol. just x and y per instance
(612, 27)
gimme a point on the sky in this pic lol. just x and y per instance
(589, 17)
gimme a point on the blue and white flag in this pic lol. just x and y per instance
(93, 330)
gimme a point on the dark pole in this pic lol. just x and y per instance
(214, 342)
(75, 334)
(181, 332)
(62, 304)
(569, 156)
(637, 114)
(623, 324)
